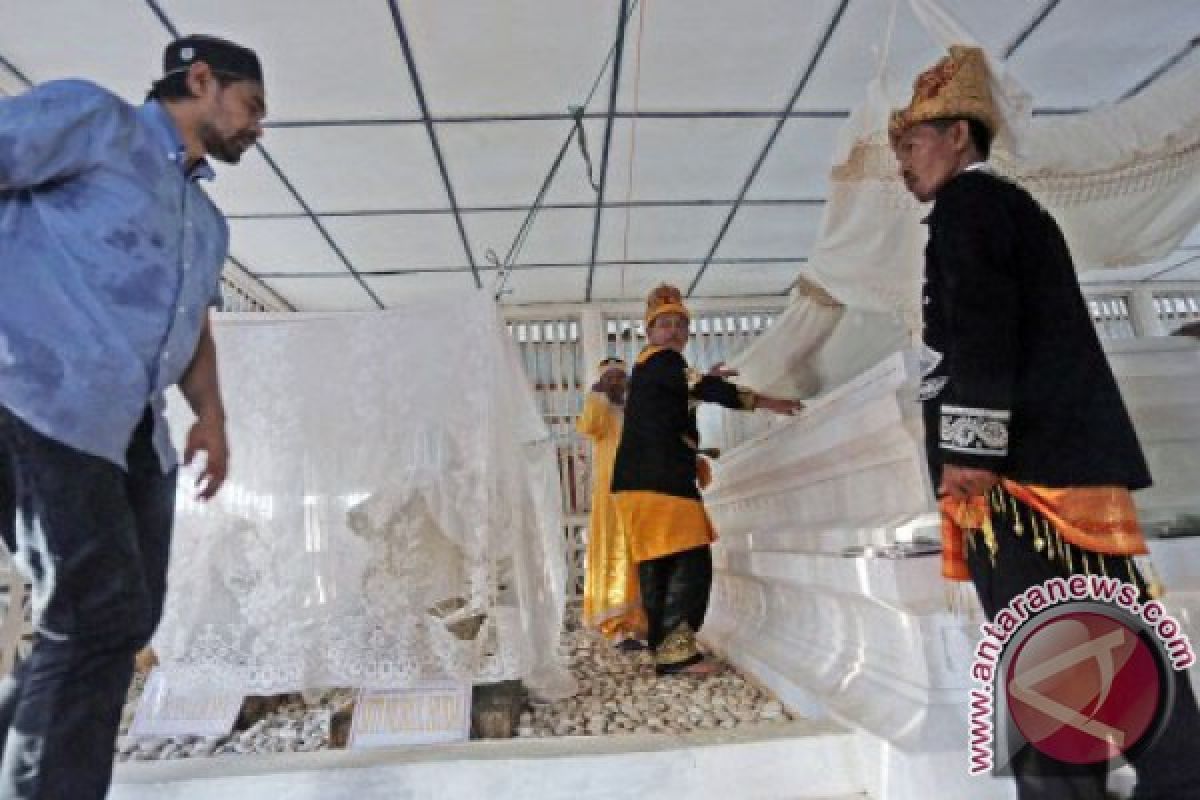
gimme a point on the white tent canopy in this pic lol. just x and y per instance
(351, 177)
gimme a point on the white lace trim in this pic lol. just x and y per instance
(932, 387)
(981, 431)
(389, 518)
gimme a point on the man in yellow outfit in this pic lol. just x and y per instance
(611, 603)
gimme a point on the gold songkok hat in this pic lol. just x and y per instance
(665, 299)
(957, 87)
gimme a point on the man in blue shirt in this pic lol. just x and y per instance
(110, 255)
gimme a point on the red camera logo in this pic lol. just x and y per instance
(1084, 687)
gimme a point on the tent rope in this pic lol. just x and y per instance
(505, 267)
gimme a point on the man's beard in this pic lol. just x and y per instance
(226, 149)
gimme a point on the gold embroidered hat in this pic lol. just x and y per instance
(665, 299)
(957, 87)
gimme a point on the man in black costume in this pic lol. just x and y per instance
(655, 476)
(1029, 444)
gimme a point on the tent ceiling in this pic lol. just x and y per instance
(707, 78)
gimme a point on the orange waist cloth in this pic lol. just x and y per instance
(1099, 519)
(661, 524)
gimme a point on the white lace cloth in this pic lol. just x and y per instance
(392, 512)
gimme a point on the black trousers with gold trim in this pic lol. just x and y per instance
(1169, 769)
(675, 592)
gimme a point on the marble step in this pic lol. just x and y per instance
(802, 760)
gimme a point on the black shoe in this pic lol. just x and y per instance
(632, 645)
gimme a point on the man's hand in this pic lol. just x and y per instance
(202, 391)
(778, 405)
(963, 483)
(719, 370)
(208, 435)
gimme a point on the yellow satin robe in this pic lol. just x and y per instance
(611, 602)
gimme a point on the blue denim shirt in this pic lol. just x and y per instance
(110, 254)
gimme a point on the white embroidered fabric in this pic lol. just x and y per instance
(392, 512)
(1122, 180)
(813, 347)
(787, 371)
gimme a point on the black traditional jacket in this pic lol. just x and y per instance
(1015, 380)
(658, 445)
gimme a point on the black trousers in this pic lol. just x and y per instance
(675, 590)
(96, 539)
(1170, 769)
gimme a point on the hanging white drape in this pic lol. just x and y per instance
(779, 361)
(392, 512)
(1122, 180)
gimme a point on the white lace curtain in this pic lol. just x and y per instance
(392, 512)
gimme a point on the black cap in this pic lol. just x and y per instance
(220, 54)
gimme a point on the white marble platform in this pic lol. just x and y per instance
(869, 641)
(799, 761)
